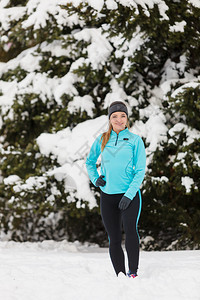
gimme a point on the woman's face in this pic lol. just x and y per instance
(118, 120)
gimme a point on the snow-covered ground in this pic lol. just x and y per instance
(68, 271)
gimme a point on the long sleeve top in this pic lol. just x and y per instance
(123, 163)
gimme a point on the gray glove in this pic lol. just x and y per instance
(124, 203)
(100, 181)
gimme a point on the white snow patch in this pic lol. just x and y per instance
(98, 5)
(30, 184)
(195, 3)
(111, 4)
(4, 3)
(160, 179)
(117, 94)
(192, 133)
(99, 48)
(187, 182)
(178, 27)
(84, 103)
(7, 15)
(11, 179)
(154, 130)
(62, 270)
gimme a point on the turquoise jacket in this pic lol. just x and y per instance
(123, 163)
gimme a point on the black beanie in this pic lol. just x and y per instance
(117, 106)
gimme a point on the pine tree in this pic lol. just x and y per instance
(33, 205)
(172, 179)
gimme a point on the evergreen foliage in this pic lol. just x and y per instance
(175, 212)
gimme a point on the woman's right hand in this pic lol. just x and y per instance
(100, 181)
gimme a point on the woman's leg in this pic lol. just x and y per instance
(112, 220)
(130, 218)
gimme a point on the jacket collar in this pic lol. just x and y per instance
(121, 133)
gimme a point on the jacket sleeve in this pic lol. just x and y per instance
(91, 160)
(139, 162)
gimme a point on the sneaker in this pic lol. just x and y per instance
(131, 275)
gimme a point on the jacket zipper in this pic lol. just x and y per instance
(116, 140)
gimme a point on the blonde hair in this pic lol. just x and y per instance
(106, 135)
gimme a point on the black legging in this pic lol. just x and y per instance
(113, 219)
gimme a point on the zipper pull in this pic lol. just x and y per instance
(116, 140)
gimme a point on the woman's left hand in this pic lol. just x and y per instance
(124, 203)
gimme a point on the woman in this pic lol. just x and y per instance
(123, 162)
